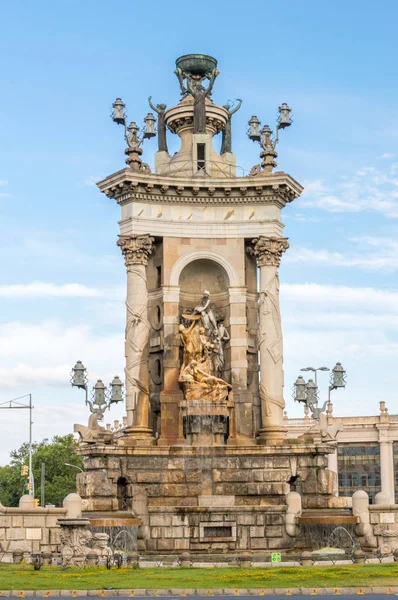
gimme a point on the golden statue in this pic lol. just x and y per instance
(196, 373)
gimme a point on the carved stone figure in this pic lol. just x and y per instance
(199, 385)
(191, 344)
(205, 310)
(218, 352)
(161, 110)
(200, 93)
(100, 546)
(74, 544)
(226, 143)
(91, 433)
(203, 354)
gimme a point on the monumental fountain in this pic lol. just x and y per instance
(202, 459)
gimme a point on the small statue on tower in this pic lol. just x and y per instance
(160, 109)
(226, 144)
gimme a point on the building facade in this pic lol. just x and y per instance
(366, 456)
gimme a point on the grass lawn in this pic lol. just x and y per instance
(23, 577)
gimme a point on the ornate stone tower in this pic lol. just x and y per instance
(204, 352)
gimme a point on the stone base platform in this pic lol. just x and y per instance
(200, 499)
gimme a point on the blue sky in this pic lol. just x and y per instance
(62, 284)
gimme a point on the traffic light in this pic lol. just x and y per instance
(24, 470)
(37, 503)
(30, 485)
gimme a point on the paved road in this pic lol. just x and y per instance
(276, 597)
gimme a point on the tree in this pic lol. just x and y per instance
(60, 480)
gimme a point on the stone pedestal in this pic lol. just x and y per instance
(205, 423)
(75, 536)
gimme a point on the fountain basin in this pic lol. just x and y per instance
(321, 517)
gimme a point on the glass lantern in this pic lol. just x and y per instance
(284, 119)
(116, 390)
(337, 379)
(149, 130)
(300, 390)
(312, 392)
(132, 135)
(79, 378)
(254, 129)
(99, 393)
(118, 113)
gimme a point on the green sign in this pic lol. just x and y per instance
(276, 557)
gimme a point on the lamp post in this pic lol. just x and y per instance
(102, 397)
(74, 466)
(315, 371)
(16, 404)
(307, 392)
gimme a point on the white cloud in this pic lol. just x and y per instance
(315, 186)
(92, 181)
(368, 253)
(336, 296)
(40, 289)
(387, 155)
(367, 190)
(23, 375)
(3, 182)
(42, 354)
(355, 325)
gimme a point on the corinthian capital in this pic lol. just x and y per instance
(268, 251)
(136, 249)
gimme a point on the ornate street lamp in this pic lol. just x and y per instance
(132, 134)
(102, 397)
(265, 137)
(308, 392)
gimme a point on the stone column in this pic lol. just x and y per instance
(171, 395)
(386, 463)
(268, 252)
(136, 250)
(333, 466)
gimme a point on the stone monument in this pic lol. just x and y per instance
(203, 459)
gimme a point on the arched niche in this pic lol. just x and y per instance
(206, 274)
(203, 274)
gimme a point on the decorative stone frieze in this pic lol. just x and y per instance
(136, 249)
(268, 251)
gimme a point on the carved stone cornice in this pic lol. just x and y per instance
(136, 249)
(268, 251)
(137, 186)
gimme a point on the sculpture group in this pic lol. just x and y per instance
(203, 336)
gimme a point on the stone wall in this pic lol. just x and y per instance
(377, 527)
(217, 529)
(27, 529)
(244, 489)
